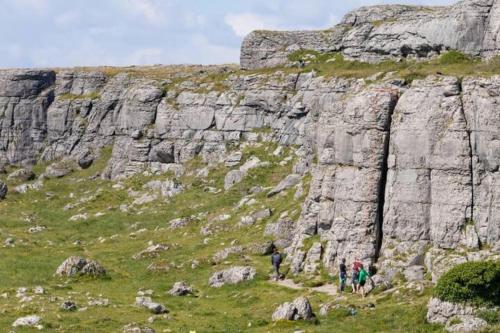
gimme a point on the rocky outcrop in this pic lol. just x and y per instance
(456, 317)
(396, 168)
(387, 32)
(74, 266)
(299, 309)
(232, 275)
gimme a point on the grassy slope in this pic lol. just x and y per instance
(243, 308)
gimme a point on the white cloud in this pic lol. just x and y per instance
(147, 9)
(243, 24)
(67, 18)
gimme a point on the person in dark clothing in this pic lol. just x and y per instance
(276, 260)
(342, 275)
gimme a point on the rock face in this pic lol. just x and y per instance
(456, 317)
(231, 275)
(395, 167)
(387, 32)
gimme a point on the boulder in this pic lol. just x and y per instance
(147, 303)
(167, 188)
(74, 266)
(181, 289)
(21, 175)
(466, 324)
(59, 169)
(136, 328)
(289, 182)
(233, 177)
(28, 321)
(222, 255)
(414, 273)
(151, 251)
(68, 306)
(232, 275)
(299, 309)
(441, 312)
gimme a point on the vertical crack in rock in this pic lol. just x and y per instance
(471, 155)
(382, 185)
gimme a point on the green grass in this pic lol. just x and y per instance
(450, 63)
(242, 308)
(72, 97)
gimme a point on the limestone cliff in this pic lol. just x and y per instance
(402, 172)
(387, 32)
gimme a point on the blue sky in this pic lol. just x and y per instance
(64, 33)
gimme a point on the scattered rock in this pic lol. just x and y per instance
(161, 266)
(21, 175)
(181, 289)
(233, 159)
(69, 306)
(151, 251)
(36, 229)
(147, 303)
(223, 254)
(232, 275)
(59, 169)
(28, 321)
(299, 309)
(233, 177)
(167, 188)
(465, 324)
(136, 328)
(178, 223)
(289, 182)
(9, 242)
(79, 217)
(80, 266)
(414, 273)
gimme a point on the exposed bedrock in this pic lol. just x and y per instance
(387, 32)
(393, 166)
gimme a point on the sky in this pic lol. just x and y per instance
(67, 33)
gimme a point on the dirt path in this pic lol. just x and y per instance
(328, 289)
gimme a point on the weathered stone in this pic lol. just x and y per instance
(147, 303)
(21, 175)
(181, 289)
(299, 309)
(152, 251)
(68, 306)
(28, 321)
(231, 275)
(80, 266)
(386, 32)
(135, 328)
(289, 182)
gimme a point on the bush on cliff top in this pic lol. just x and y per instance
(472, 282)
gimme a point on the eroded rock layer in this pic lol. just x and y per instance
(387, 32)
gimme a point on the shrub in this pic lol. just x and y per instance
(492, 317)
(472, 282)
(453, 57)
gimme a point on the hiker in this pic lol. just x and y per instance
(355, 275)
(276, 260)
(363, 275)
(342, 275)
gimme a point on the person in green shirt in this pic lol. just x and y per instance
(363, 276)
